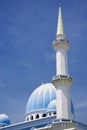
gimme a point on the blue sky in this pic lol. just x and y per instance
(27, 30)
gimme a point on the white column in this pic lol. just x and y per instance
(63, 102)
(61, 62)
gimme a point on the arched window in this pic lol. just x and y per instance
(27, 118)
(54, 113)
(44, 115)
(37, 116)
(31, 117)
(50, 114)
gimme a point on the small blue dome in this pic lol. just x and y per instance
(52, 105)
(40, 98)
(4, 120)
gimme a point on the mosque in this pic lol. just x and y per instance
(50, 107)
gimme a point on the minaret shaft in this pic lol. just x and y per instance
(61, 62)
(63, 106)
(62, 80)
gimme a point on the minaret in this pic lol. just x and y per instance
(62, 80)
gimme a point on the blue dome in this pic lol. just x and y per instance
(40, 98)
(4, 120)
(43, 98)
(52, 105)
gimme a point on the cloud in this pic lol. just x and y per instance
(81, 105)
(49, 56)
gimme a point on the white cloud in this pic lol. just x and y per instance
(49, 56)
(81, 105)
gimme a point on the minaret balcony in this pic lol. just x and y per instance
(62, 79)
(60, 40)
(62, 76)
(61, 43)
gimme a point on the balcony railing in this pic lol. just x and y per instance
(62, 77)
(60, 40)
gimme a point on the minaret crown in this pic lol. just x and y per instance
(60, 26)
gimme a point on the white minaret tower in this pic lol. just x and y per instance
(62, 80)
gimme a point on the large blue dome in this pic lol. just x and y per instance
(40, 98)
(43, 98)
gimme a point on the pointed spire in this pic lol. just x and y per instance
(60, 27)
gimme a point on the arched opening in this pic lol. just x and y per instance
(50, 114)
(54, 113)
(31, 117)
(37, 116)
(44, 115)
(27, 118)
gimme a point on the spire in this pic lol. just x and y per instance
(60, 27)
